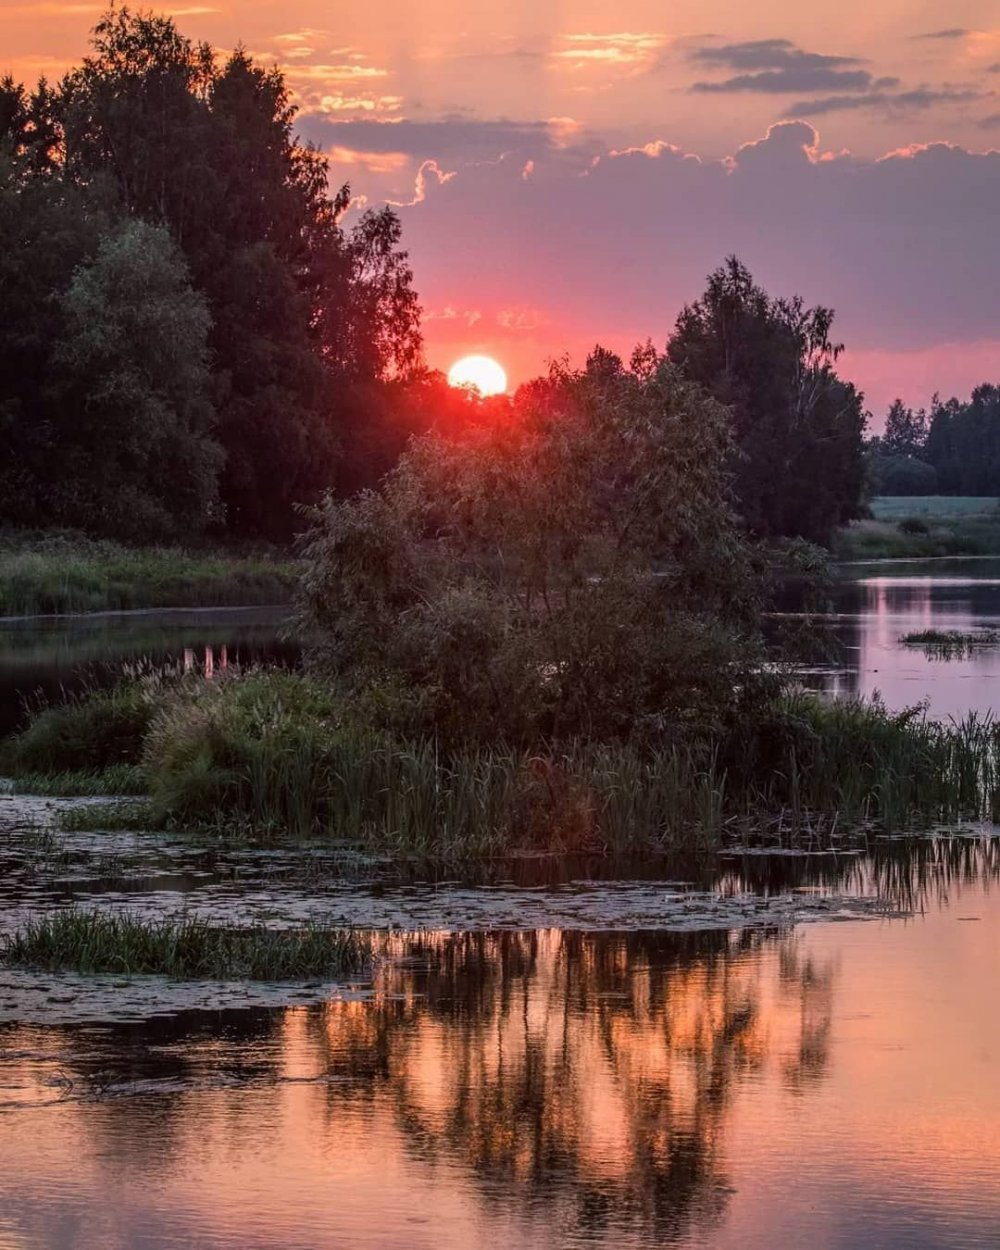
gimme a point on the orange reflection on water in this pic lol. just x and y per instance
(543, 1089)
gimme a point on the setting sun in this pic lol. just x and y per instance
(481, 372)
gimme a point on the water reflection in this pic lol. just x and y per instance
(544, 1089)
(579, 1080)
(50, 655)
(871, 613)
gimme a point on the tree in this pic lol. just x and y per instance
(47, 229)
(302, 310)
(135, 437)
(905, 431)
(798, 427)
(963, 443)
(573, 570)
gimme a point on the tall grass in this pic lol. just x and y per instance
(274, 753)
(968, 535)
(122, 943)
(59, 574)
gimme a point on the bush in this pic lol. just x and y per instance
(91, 732)
(573, 571)
(914, 525)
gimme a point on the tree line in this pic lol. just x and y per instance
(189, 326)
(954, 449)
(196, 339)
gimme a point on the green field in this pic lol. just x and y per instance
(909, 527)
(938, 507)
(58, 572)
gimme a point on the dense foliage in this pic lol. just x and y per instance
(800, 469)
(576, 569)
(258, 314)
(952, 450)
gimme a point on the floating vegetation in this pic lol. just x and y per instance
(952, 644)
(118, 779)
(121, 942)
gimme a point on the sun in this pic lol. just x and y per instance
(482, 373)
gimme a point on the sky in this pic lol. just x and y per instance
(569, 171)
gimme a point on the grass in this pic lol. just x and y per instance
(117, 779)
(270, 753)
(93, 731)
(923, 527)
(122, 943)
(112, 817)
(938, 507)
(951, 644)
(274, 753)
(67, 573)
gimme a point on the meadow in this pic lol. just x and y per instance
(42, 574)
(923, 527)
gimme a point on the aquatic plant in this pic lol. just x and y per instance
(116, 779)
(951, 644)
(124, 943)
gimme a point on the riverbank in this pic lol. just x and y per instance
(922, 527)
(275, 754)
(42, 574)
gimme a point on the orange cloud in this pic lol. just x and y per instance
(636, 51)
(370, 162)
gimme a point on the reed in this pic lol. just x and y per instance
(270, 753)
(123, 943)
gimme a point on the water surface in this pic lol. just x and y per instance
(48, 655)
(834, 1085)
(874, 606)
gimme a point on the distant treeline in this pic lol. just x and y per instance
(954, 449)
(193, 339)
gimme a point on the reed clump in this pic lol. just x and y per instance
(123, 943)
(271, 753)
(278, 753)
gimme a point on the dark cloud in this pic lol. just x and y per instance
(793, 80)
(759, 54)
(955, 32)
(889, 102)
(992, 122)
(869, 237)
(448, 138)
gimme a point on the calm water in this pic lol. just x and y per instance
(50, 654)
(873, 608)
(827, 1085)
(723, 1054)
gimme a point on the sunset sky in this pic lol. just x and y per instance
(568, 172)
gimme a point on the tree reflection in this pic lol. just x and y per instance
(593, 1072)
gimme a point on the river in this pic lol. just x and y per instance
(742, 1052)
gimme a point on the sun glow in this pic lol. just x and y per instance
(482, 373)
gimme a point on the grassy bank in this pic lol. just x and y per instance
(923, 527)
(122, 944)
(41, 574)
(274, 754)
